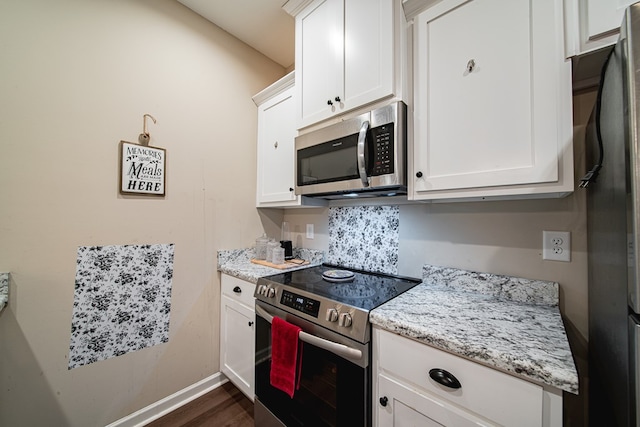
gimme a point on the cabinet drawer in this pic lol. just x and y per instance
(238, 289)
(495, 395)
(405, 406)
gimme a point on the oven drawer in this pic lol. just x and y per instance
(238, 290)
(500, 397)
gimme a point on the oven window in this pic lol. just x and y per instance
(332, 391)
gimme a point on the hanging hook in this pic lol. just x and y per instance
(144, 136)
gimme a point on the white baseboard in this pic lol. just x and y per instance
(170, 403)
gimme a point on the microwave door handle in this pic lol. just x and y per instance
(362, 166)
(333, 347)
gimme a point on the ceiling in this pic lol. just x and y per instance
(262, 24)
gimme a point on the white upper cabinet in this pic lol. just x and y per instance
(593, 24)
(276, 150)
(492, 101)
(347, 55)
(275, 187)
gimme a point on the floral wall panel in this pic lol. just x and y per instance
(122, 300)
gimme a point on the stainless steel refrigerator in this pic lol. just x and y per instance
(613, 221)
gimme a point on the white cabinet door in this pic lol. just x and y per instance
(401, 406)
(593, 24)
(237, 329)
(368, 51)
(492, 100)
(347, 55)
(319, 60)
(275, 187)
(604, 16)
(276, 150)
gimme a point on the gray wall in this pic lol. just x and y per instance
(76, 77)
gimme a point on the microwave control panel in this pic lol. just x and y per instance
(383, 143)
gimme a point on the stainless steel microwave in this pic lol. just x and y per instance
(364, 156)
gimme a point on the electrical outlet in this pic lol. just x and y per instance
(309, 231)
(556, 245)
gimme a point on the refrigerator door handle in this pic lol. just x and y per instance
(634, 359)
(632, 20)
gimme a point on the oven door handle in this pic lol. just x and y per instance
(333, 347)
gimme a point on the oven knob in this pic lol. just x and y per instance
(271, 292)
(332, 315)
(261, 289)
(345, 320)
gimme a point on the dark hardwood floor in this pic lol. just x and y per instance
(224, 406)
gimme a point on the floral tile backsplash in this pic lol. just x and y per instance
(122, 300)
(364, 238)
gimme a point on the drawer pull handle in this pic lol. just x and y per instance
(445, 378)
(237, 290)
(384, 400)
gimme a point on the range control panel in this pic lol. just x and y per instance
(297, 302)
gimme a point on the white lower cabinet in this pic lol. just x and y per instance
(406, 395)
(237, 326)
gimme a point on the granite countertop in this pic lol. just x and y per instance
(238, 263)
(4, 290)
(506, 323)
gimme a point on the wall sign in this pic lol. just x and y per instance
(142, 169)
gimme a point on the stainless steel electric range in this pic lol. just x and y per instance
(331, 305)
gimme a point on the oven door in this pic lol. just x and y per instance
(335, 383)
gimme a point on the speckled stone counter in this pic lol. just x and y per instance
(238, 263)
(4, 290)
(507, 323)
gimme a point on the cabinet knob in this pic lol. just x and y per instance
(275, 145)
(329, 102)
(384, 400)
(418, 174)
(250, 323)
(337, 98)
(471, 65)
(445, 378)
(290, 188)
(237, 290)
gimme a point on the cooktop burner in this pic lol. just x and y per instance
(334, 297)
(338, 276)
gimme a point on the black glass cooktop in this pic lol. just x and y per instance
(366, 291)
